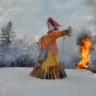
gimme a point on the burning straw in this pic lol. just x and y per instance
(85, 42)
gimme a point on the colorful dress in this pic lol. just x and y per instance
(48, 64)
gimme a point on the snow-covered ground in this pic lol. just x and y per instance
(17, 82)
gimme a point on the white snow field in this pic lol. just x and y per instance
(17, 82)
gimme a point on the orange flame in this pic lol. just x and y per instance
(85, 54)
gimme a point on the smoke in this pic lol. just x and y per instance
(91, 4)
(24, 47)
(86, 34)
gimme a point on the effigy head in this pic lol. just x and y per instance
(52, 24)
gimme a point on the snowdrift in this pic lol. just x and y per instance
(17, 82)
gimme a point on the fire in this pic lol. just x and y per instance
(85, 54)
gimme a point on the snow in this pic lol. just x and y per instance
(17, 82)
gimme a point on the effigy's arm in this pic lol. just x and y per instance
(56, 35)
(59, 34)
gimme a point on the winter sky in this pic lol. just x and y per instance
(29, 17)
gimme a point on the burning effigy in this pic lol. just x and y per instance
(48, 65)
(85, 42)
